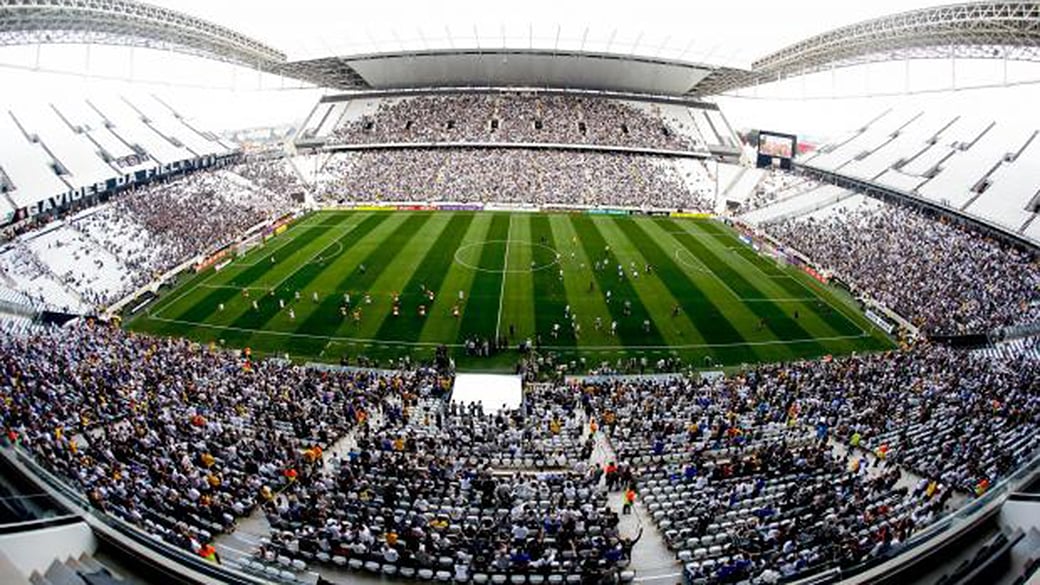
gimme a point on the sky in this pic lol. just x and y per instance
(718, 32)
(219, 96)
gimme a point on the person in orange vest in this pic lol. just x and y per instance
(630, 500)
(209, 552)
(611, 471)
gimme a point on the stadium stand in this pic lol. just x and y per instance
(94, 258)
(798, 204)
(777, 186)
(139, 133)
(983, 168)
(512, 118)
(28, 275)
(946, 279)
(33, 173)
(85, 169)
(92, 273)
(61, 152)
(959, 178)
(535, 177)
(1012, 349)
(923, 166)
(278, 177)
(242, 442)
(85, 570)
(804, 463)
(1011, 189)
(84, 118)
(902, 146)
(742, 188)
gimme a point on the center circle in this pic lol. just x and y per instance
(473, 254)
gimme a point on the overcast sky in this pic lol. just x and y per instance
(720, 33)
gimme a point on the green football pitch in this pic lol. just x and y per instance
(679, 287)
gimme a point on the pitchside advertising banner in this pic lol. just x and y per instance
(211, 260)
(512, 207)
(690, 214)
(879, 321)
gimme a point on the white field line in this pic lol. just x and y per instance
(578, 349)
(505, 275)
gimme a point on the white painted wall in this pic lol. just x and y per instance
(37, 549)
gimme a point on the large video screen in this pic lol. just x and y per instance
(776, 149)
(780, 146)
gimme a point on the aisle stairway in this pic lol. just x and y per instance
(83, 571)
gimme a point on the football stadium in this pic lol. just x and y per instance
(547, 294)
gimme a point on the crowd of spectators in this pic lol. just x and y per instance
(149, 230)
(178, 439)
(738, 473)
(520, 117)
(273, 175)
(534, 177)
(430, 486)
(945, 278)
(200, 211)
(769, 473)
(32, 281)
(184, 440)
(777, 185)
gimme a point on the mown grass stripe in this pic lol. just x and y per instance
(585, 300)
(205, 307)
(431, 272)
(375, 263)
(549, 291)
(630, 328)
(305, 275)
(481, 311)
(708, 318)
(774, 318)
(262, 265)
(518, 307)
(835, 320)
(459, 277)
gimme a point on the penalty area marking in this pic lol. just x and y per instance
(692, 266)
(321, 259)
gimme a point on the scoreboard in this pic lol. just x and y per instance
(776, 150)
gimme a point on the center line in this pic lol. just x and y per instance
(505, 274)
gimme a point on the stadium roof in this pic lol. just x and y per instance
(979, 30)
(125, 22)
(502, 68)
(1002, 30)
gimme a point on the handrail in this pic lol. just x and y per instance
(952, 524)
(39, 523)
(178, 556)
